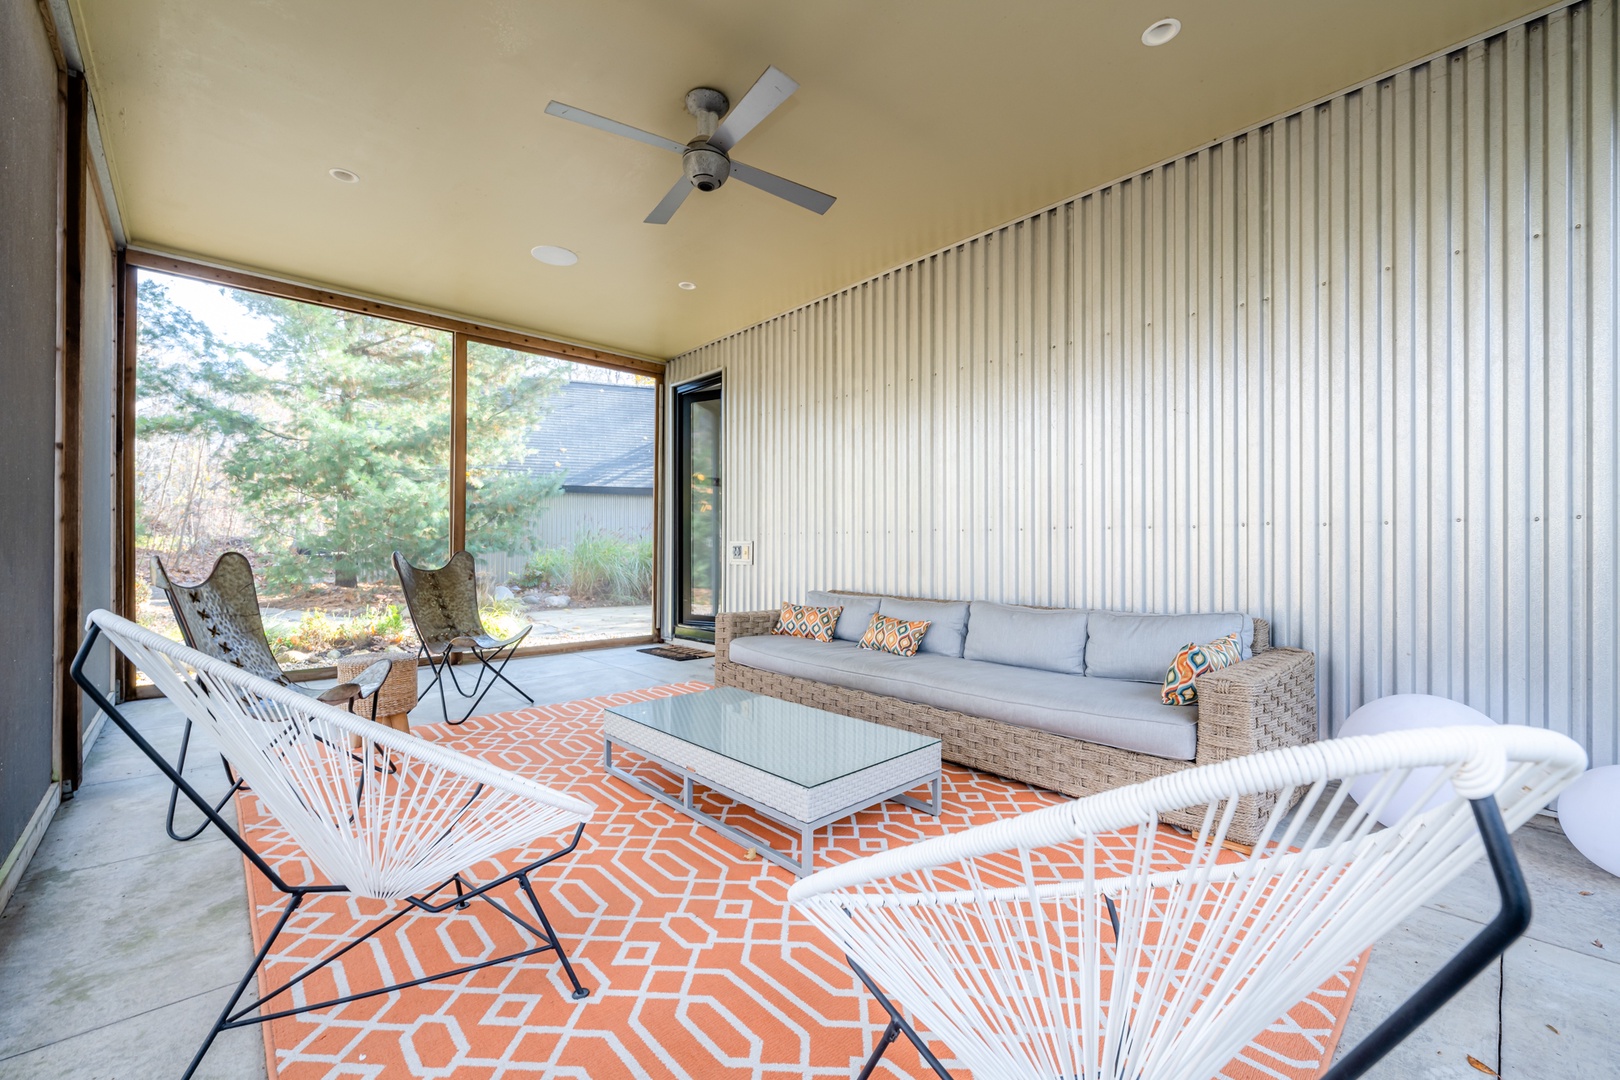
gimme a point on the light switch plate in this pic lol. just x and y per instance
(740, 552)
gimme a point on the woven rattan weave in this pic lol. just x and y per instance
(1263, 703)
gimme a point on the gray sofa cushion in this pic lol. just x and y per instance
(949, 619)
(1048, 639)
(856, 616)
(1124, 645)
(1125, 715)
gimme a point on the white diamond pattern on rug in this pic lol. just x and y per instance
(695, 966)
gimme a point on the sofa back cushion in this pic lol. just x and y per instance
(949, 619)
(1125, 645)
(1045, 639)
(857, 615)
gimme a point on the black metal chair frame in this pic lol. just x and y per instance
(463, 891)
(1478, 954)
(335, 695)
(491, 661)
(445, 664)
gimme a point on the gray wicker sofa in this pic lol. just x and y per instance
(1063, 724)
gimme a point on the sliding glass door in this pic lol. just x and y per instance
(698, 541)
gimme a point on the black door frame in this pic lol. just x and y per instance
(686, 625)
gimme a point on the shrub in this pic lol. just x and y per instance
(502, 618)
(546, 569)
(317, 632)
(600, 566)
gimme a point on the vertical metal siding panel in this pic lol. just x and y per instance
(1354, 371)
(1601, 323)
(1463, 397)
(1158, 404)
(1253, 391)
(1408, 386)
(1185, 367)
(1517, 287)
(1561, 609)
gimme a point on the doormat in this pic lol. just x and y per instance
(696, 966)
(677, 652)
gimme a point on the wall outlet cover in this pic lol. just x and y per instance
(740, 552)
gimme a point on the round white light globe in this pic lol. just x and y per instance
(1407, 712)
(1588, 809)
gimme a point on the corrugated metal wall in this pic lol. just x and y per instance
(1353, 371)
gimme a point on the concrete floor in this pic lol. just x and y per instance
(120, 945)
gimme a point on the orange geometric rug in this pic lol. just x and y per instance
(696, 967)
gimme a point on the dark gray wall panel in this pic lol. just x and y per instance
(28, 192)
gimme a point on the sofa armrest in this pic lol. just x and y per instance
(736, 624)
(1263, 703)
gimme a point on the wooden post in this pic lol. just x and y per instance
(458, 444)
(124, 599)
(70, 430)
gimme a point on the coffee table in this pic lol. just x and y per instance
(803, 767)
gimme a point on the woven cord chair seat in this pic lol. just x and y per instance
(387, 834)
(1013, 946)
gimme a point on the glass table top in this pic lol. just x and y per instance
(802, 745)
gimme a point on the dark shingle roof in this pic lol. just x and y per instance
(599, 436)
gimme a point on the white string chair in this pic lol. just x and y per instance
(400, 820)
(1021, 947)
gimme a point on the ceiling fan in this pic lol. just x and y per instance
(706, 160)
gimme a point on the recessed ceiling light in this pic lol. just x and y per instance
(687, 285)
(344, 175)
(1161, 32)
(552, 255)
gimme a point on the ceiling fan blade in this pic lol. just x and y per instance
(612, 127)
(797, 194)
(670, 203)
(768, 91)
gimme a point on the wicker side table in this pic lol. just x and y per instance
(397, 695)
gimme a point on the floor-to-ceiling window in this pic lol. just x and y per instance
(314, 441)
(560, 460)
(318, 441)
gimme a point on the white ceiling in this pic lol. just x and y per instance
(930, 121)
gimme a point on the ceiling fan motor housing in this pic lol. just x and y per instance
(706, 167)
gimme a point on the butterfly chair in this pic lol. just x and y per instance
(444, 609)
(1087, 940)
(406, 835)
(219, 616)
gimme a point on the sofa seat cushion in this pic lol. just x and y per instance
(1125, 715)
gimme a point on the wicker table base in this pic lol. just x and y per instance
(397, 695)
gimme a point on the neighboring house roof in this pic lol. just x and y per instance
(599, 436)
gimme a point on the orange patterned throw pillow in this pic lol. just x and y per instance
(1180, 682)
(796, 620)
(893, 636)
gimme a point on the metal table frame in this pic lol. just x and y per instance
(687, 805)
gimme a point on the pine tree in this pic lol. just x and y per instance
(336, 433)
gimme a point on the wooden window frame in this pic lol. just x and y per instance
(462, 332)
